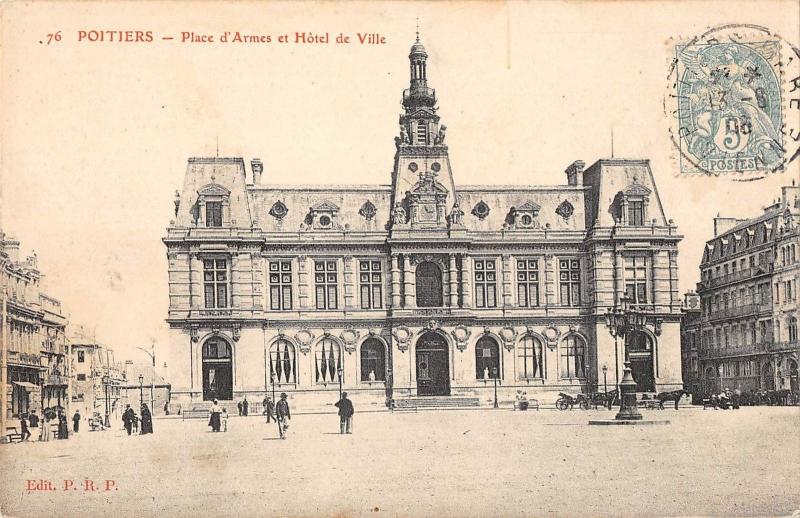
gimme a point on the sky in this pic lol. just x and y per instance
(95, 135)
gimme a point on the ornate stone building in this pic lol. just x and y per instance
(420, 287)
(32, 340)
(748, 289)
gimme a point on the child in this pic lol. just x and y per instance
(224, 419)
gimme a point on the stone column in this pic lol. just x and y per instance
(395, 282)
(508, 298)
(453, 282)
(466, 281)
(661, 282)
(408, 280)
(619, 277)
(349, 284)
(302, 281)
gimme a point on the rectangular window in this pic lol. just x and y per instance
(528, 283)
(636, 279)
(81, 377)
(213, 213)
(81, 357)
(635, 213)
(485, 283)
(215, 280)
(371, 280)
(327, 284)
(280, 285)
(569, 277)
(422, 133)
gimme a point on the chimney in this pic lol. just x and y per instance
(722, 225)
(258, 168)
(11, 247)
(575, 172)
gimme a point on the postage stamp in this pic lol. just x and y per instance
(731, 101)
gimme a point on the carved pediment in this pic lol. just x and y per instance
(325, 206)
(637, 189)
(428, 184)
(213, 189)
(529, 206)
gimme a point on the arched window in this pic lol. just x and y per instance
(793, 329)
(327, 361)
(573, 357)
(531, 359)
(373, 360)
(487, 359)
(282, 362)
(429, 285)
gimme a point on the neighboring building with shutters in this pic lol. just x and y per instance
(418, 287)
(750, 273)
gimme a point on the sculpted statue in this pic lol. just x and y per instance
(398, 214)
(440, 137)
(404, 135)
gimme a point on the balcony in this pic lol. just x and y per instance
(739, 311)
(742, 275)
(741, 350)
(419, 95)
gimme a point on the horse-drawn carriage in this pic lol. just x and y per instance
(585, 401)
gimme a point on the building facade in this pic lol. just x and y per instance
(422, 287)
(97, 380)
(691, 335)
(32, 340)
(748, 290)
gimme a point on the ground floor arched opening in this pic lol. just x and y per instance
(217, 370)
(640, 353)
(433, 365)
(767, 377)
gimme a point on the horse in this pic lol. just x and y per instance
(674, 395)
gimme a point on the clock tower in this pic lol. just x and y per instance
(423, 191)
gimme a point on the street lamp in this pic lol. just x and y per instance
(494, 375)
(605, 384)
(340, 371)
(152, 354)
(623, 321)
(107, 423)
(141, 390)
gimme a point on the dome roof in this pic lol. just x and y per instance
(417, 49)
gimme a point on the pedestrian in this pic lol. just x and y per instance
(737, 398)
(264, 405)
(239, 406)
(127, 419)
(283, 415)
(269, 409)
(76, 421)
(63, 429)
(224, 420)
(23, 427)
(346, 411)
(147, 420)
(166, 408)
(44, 431)
(33, 420)
(245, 406)
(214, 419)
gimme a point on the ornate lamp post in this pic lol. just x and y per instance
(623, 321)
(106, 380)
(494, 376)
(141, 390)
(340, 372)
(605, 384)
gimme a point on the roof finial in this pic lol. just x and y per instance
(612, 141)
(417, 29)
(217, 146)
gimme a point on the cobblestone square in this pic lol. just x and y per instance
(445, 463)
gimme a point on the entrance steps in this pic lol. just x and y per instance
(435, 403)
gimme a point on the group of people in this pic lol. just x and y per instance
(44, 425)
(281, 413)
(132, 422)
(726, 399)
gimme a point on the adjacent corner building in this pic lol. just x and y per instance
(422, 286)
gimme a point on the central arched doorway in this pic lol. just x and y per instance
(217, 370)
(767, 377)
(640, 354)
(433, 365)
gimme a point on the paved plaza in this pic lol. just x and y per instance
(444, 463)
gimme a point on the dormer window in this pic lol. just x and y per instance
(632, 204)
(214, 214)
(524, 216)
(322, 216)
(213, 206)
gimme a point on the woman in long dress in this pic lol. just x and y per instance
(214, 421)
(147, 420)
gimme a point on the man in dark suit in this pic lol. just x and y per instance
(283, 415)
(346, 412)
(127, 418)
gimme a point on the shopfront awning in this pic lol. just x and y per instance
(25, 384)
